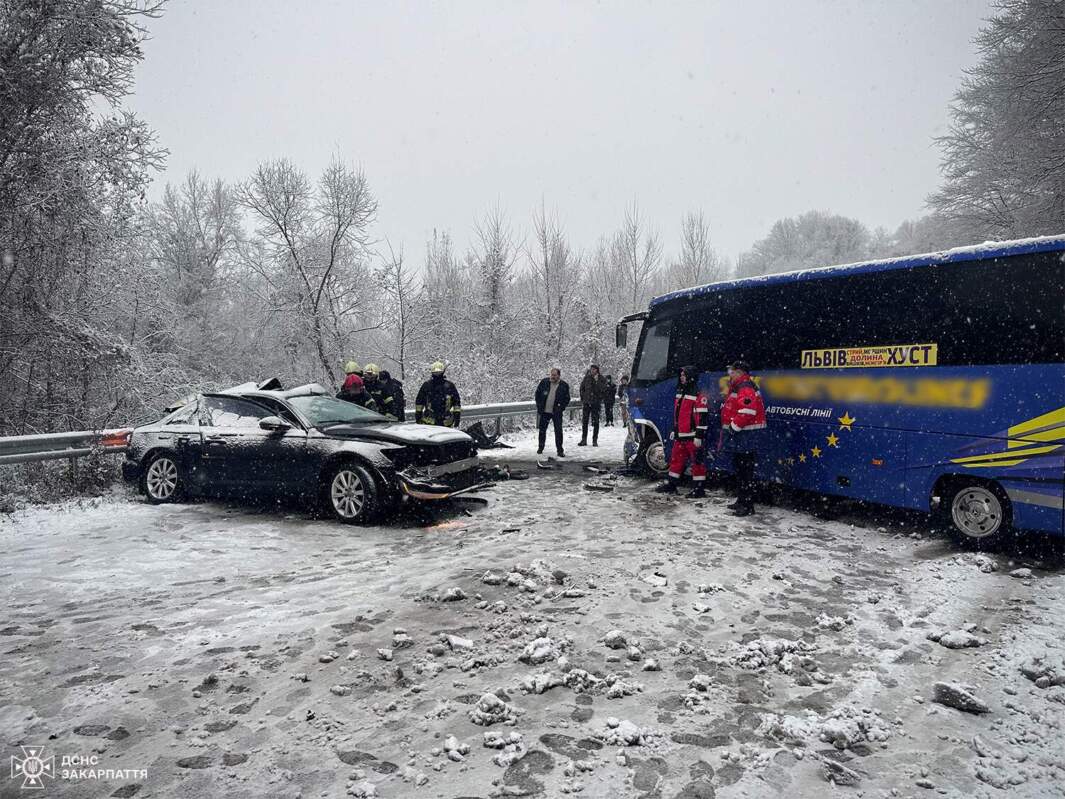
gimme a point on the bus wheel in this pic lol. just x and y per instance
(978, 513)
(652, 459)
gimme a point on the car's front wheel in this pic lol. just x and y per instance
(162, 480)
(349, 493)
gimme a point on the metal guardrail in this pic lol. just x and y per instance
(56, 446)
(497, 410)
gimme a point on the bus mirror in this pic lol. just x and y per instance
(621, 335)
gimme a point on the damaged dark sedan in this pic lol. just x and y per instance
(303, 442)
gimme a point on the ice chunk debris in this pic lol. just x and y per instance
(453, 594)
(490, 709)
(615, 639)
(539, 651)
(956, 639)
(1045, 670)
(958, 696)
(624, 733)
(835, 623)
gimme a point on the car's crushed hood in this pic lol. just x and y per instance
(398, 433)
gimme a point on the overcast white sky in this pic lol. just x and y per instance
(750, 111)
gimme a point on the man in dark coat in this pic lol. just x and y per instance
(743, 427)
(592, 388)
(438, 400)
(552, 397)
(609, 394)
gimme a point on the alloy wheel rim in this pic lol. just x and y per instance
(977, 512)
(347, 494)
(162, 478)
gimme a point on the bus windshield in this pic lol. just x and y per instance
(654, 352)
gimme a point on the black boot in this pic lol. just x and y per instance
(736, 505)
(699, 492)
(668, 487)
(540, 451)
(744, 510)
(582, 443)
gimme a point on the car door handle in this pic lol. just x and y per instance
(215, 439)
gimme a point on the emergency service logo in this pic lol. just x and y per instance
(33, 767)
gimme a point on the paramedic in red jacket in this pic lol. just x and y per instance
(742, 429)
(691, 414)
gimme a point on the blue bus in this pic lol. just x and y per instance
(933, 382)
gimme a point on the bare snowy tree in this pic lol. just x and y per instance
(698, 263)
(556, 271)
(317, 243)
(637, 253)
(1004, 156)
(405, 313)
(815, 238)
(195, 231)
(74, 166)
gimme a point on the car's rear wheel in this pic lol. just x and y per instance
(977, 512)
(349, 493)
(162, 480)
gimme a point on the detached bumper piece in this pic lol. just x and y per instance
(441, 482)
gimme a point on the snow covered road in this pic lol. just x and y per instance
(608, 642)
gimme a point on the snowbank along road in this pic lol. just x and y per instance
(566, 638)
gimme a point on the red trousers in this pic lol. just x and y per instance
(684, 450)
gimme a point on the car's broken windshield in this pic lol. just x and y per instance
(322, 411)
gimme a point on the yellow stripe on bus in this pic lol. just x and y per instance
(1053, 419)
(998, 457)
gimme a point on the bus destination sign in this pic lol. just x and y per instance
(868, 357)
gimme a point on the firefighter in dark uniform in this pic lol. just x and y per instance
(438, 400)
(382, 393)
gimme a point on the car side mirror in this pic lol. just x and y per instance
(274, 424)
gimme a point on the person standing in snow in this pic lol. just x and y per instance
(394, 388)
(623, 399)
(691, 415)
(591, 399)
(438, 400)
(743, 428)
(552, 397)
(355, 391)
(609, 396)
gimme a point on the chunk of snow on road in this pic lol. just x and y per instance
(960, 697)
(539, 651)
(956, 639)
(490, 709)
(615, 639)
